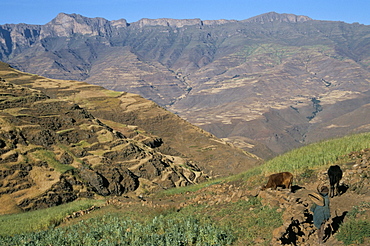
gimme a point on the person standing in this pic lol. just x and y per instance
(321, 213)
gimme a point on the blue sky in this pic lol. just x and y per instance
(43, 11)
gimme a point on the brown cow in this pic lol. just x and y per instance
(284, 179)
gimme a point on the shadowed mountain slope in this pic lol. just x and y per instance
(268, 84)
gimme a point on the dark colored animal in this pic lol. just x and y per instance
(284, 179)
(335, 175)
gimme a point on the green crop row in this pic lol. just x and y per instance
(114, 230)
(317, 154)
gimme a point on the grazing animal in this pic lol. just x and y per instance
(284, 179)
(335, 175)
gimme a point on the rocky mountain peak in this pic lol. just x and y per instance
(65, 19)
(67, 24)
(273, 16)
(119, 23)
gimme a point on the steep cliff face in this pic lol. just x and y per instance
(225, 76)
(14, 39)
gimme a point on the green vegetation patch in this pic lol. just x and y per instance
(354, 230)
(40, 219)
(110, 93)
(49, 157)
(248, 220)
(115, 230)
(302, 160)
(83, 144)
(317, 154)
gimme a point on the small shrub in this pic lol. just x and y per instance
(354, 232)
(307, 173)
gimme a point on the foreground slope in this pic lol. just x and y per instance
(229, 211)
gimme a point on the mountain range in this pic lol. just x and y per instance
(267, 84)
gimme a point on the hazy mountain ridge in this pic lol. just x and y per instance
(223, 75)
